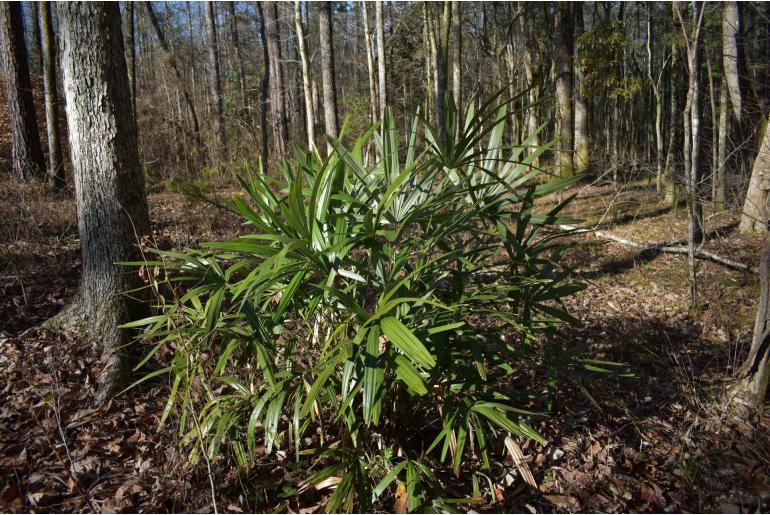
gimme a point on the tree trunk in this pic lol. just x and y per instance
(235, 40)
(655, 84)
(111, 206)
(582, 142)
(457, 61)
(306, 84)
(670, 185)
(215, 81)
(564, 46)
(131, 53)
(264, 86)
(531, 72)
(37, 43)
(719, 173)
(27, 154)
(328, 84)
(755, 372)
(277, 119)
(442, 71)
(55, 165)
(754, 217)
(731, 57)
(692, 139)
(370, 65)
(383, 89)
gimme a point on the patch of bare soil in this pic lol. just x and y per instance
(661, 440)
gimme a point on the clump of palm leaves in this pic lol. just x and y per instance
(374, 318)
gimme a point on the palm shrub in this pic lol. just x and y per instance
(374, 319)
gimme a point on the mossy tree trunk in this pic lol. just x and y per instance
(109, 186)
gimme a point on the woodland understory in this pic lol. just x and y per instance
(661, 440)
(384, 256)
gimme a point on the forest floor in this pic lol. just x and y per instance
(661, 440)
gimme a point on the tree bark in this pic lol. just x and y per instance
(564, 46)
(131, 53)
(370, 65)
(55, 165)
(109, 186)
(655, 84)
(719, 173)
(328, 83)
(754, 217)
(692, 139)
(264, 86)
(306, 81)
(582, 141)
(531, 72)
(277, 119)
(731, 57)
(37, 43)
(383, 89)
(457, 60)
(235, 41)
(215, 81)
(755, 372)
(442, 71)
(27, 154)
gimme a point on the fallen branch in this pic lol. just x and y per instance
(665, 247)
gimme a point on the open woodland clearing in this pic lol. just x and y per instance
(384, 257)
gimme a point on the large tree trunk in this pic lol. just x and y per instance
(278, 121)
(27, 154)
(131, 53)
(731, 56)
(50, 64)
(443, 71)
(306, 82)
(755, 372)
(582, 142)
(328, 84)
(564, 44)
(754, 217)
(214, 81)
(383, 89)
(111, 205)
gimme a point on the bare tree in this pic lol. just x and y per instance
(232, 24)
(306, 81)
(175, 68)
(328, 84)
(27, 154)
(383, 89)
(55, 165)
(215, 81)
(582, 142)
(564, 81)
(277, 119)
(754, 216)
(109, 186)
(457, 54)
(730, 56)
(692, 124)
